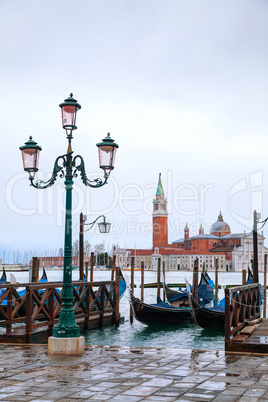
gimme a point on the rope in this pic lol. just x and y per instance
(242, 304)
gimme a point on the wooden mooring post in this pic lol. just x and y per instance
(264, 286)
(35, 270)
(131, 288)
(113, 267)
(164, 278)
(255, 249)
(158, 276)
(86, 274)
(117, 314)
(216, 279)
(195, 280)
(244, 277)
(142, 281)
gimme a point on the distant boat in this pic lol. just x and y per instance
(160, 313)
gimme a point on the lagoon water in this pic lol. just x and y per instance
(186, 336)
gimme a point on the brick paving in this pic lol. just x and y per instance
(28, 373)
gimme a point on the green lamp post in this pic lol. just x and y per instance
(68, 166)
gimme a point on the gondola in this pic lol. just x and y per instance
(160, 313)
(3, 278)
(177, 298)
(208, 317)
(122, 284)
(180, 298)
(250, 277)
(210, 281)
(44, 276)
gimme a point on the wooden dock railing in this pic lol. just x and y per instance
(241, 306)
(23, 315)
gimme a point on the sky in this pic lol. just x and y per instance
(180, 85)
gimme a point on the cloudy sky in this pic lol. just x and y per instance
(182, 87)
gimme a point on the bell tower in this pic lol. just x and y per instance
(160, 217)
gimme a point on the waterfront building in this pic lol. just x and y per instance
(234, 251)
(57, 262)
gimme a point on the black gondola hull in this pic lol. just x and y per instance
(207, 318)
(153, 315)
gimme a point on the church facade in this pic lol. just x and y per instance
(234, 251)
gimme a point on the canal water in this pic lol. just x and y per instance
(187, 336)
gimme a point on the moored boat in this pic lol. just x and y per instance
(180, 297)
(160, 313)
(208, 317)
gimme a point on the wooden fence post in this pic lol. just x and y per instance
(88, 299)
(9, 309)
(91, 266)
(29, 309)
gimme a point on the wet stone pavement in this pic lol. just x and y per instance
(28, 373)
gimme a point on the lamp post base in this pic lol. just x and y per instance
(66, 346)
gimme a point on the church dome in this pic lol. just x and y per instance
(220, 228)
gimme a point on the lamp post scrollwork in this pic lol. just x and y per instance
(68, 166)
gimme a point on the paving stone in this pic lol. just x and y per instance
(122, 398)
(198, 397)
(82, 395)
(131, 374)
(255, 392)
(234, 391)
(141, 391)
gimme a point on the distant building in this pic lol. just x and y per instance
(233, 251)
(52, 262)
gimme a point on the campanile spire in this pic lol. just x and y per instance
(160, 217)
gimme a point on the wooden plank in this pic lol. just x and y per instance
(248, 330)
(240, 338)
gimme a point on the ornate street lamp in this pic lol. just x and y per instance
(30, 156)
(104, 227)
(68, 166)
